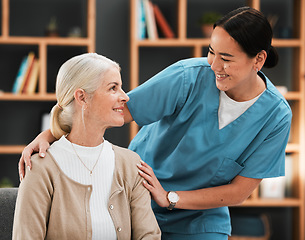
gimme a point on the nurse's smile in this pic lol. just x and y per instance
(220, 77)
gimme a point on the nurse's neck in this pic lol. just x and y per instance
(248, 91)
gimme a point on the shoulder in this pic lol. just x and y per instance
(194, 62)
(125, 155)
(46, 161)
(277, 98)
(44, 166)
(126, 163)
(189, 65)
(42, 176)
(197, 70)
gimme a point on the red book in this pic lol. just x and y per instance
(162, 23)
(28, 73)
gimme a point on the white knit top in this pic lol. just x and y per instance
(101, 179)
(229, 110)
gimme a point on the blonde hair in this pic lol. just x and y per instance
(84, 71)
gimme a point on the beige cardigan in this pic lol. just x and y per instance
(50, 205)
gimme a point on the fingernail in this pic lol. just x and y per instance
(144, 181)
(141, 161)
(140, 171)
(21, 178)
(139, 165)
(29, 168)
(42, 155)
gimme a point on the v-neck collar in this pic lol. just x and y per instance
(245, 113)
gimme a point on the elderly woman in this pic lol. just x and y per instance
(85, 188)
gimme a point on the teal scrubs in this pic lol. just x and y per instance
(180, 139)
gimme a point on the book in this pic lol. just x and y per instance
(33, 78)
(150, 20)
(31, 60)
(162, 22)
(141, 20)
(23, 73)
(20, 75)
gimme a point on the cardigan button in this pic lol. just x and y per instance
(119, 229)
(111, 207)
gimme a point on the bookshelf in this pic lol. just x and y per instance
(51, 52)
(294, 45)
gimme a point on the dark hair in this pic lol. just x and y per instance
(251, 29)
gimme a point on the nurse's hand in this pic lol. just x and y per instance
(159, 195)
(40, 144)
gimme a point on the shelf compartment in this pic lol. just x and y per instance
(41, 12)
(204, 42)
(27, 97)
(292, 148)
(260, 202)
(11, 149)
(46, 40)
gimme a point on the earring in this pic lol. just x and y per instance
(83, 116)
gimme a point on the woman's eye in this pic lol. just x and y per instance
(225, 60)
(211, 52)
(113, 88)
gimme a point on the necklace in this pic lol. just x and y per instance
(90, 171)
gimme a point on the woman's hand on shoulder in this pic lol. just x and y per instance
(40, 144)
(159, 195)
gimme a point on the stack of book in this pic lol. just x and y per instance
(150, 18)
(27, 75)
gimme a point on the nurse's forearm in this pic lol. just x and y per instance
(232, 194)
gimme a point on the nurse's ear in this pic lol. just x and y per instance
(260, 59)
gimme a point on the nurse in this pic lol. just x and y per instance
(212, 129)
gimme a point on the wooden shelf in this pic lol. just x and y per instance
(287, 42)
(25, 97)
(46, 40)
(204, 42)
(11, 149)
(293, 96)
(286, 202)
(292, 147)
(41, 44)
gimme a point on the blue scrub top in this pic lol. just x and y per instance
(180, 139)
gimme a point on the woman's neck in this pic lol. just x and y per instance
(86, 138)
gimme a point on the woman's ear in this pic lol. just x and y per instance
(260, 60)
(80, 96)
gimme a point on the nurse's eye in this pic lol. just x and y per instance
(225, 60)
(211, 52)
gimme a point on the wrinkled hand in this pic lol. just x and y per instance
(25, 159)
(159, 195)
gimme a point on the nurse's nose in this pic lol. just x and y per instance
(217, 65)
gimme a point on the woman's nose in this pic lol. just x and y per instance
(124, 97)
